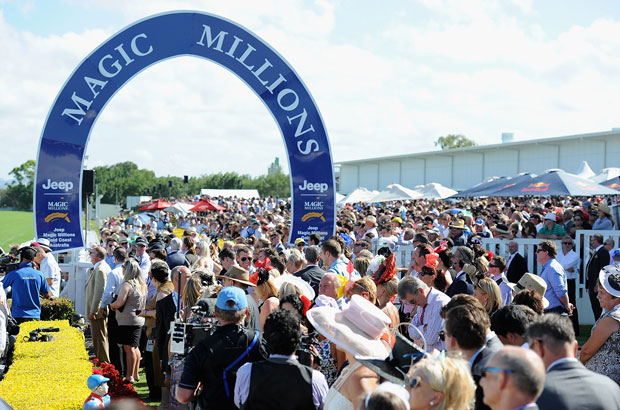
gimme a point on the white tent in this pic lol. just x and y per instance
(606, 174)
(359, 195)
(180, 208)
(395, 192)
(585, 171)
(229, 193)
(434, 191)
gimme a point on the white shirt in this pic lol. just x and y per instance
(569, 260)
(505, 290)
(433, 323)
(112, 285)
(51, 270)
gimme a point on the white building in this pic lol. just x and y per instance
(464, 167)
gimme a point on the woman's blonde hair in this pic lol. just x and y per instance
(267, 290)
(491, 289)
(133, 275)
(361, 265)
(391, 286)
(193, 290)
(452, 377)
(288, 288)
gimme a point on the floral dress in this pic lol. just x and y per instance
(607, 359)
(328, 366)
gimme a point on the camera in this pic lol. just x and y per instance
(36, 336)
(184, 336)
(305, 354)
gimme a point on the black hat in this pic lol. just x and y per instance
(27, 253)
(141, 241)
(395, 367)
(155, 246)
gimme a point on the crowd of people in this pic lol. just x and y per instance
(285, 322)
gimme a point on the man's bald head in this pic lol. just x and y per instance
(329, 285)
(184, 273)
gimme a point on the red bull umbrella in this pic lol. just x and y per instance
(555, 183)
(613, 183)
(475, 191)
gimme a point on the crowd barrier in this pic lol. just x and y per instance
(527, 248)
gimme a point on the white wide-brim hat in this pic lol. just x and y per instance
(356, 329)
(304, 286)
(609, 279)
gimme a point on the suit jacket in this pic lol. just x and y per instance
(175, 259)
(597, 261)
(570, 386)
(476, 369)
(460, 285)
(313, 275)
(518, 266)
(164, 311)
(93, 290)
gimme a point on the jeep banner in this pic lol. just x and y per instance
(57, 200)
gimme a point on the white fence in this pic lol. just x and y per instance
(527, 248)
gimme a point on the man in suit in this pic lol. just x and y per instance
(516, 265)
(598, 260)
(462, 283)
(466, 331)
(175, 257)
(93, 291)
(513, 379)
(568, 385)
(312, 273)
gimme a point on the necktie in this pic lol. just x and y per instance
(422, 315)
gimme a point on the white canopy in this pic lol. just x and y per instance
(359, 195)
(396, 192)
(606, 174)
(229, 193)
(585, 171)
(434, 190)
(180, 208)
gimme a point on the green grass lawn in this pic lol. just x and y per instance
(15, 227)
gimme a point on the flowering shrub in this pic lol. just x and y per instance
(57, 309)
(48, 375)
(118, 387)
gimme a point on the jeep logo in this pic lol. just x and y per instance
(308, 186)
(64, 185)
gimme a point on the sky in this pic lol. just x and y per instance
(388, 77)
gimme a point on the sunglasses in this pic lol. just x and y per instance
(245, 258)
(567, 243)
(493, 266)
(540, 250)
(300, 245)
(412, 382)
(484, 370)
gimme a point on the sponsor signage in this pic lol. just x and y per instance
(57, 200)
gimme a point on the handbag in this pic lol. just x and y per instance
(114, 297)
(12, 327)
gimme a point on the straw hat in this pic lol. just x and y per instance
(457, 224)
(356, 329)
(531, 281)
(237, 274)
(601, 207)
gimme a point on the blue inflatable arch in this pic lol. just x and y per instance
(57, 198)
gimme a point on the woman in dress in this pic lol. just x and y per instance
(130, 303)
(387, 287)
(267, 294)
(601, 353)
(359, 330)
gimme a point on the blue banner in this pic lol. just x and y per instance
(57, 199)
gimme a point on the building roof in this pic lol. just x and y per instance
(515, 144)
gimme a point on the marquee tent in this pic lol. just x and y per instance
(606, 174)
(556, 182)
(359, 195)
(490, 183)
(159, 204)
(498, 191)
(230, 193)
(180, 208)
(396, 192)
(613, 183)
(434, 190)
(206, 205)
(585, 171)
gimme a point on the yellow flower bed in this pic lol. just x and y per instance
(48, 375)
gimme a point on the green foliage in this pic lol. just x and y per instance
(15, 227)
(118, 181)
(451, 141)
(57, 309)
(20, 192)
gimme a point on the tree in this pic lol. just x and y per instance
(454, 141)
(20, 192)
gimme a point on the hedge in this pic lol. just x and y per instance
(48, 375)
(57, 309)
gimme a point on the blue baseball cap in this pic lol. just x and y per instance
(231, 298)
(95, 380)
(615, 253)
(479, 222)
